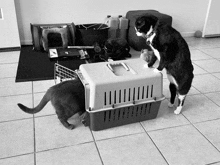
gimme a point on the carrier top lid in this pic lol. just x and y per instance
(119, 83)
(116, 71)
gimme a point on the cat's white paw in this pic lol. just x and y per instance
(170, 105)
(178, 110)
(156, 70)
(145, 65)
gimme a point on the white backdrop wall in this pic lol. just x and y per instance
(9, 35)
(188, 15)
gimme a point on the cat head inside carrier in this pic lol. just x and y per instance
(117, 49)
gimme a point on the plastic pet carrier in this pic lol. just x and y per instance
(120, 92)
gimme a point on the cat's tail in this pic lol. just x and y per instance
(46, 98)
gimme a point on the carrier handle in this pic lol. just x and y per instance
(127, 68)
(122, 63)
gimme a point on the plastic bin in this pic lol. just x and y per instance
(89, 34)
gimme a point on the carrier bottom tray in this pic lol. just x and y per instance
(120, 116)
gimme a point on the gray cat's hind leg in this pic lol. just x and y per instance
(85, 119)
(66, 124)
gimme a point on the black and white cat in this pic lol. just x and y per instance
(173, 54)
(68, 98)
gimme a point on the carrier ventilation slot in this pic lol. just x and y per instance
(128, 95)
(127, 113)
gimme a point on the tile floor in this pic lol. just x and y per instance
(193, 137)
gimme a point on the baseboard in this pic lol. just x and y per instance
(187, 34)
(26, 42)
(10, 49)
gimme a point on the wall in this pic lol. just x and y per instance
(9, 35)
(188, 15)
(212, 22)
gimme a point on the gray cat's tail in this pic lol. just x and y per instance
(39, 107)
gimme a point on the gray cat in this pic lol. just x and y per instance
(68, 98)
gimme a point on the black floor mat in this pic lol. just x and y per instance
(35, 65)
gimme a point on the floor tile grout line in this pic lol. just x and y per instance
(46, 115)
(8, 63)
(133, 134)
(203, 94)
(34, 131)
(206, 92)
(190, 123)
(155, 144)
(208, 72)
(205, 137)
(210, 98)
(199, 122)
(213, 163)
(204, 69)
(96, 147)
(18, 155)
(193, 125)
(216, 76)
(202, 50)
(206, 47)
(160, 129)
(206, 53)
(200, 74)
(14, 120)
(65, 146)
(7, 77)
(15, 94)
(115, 137)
